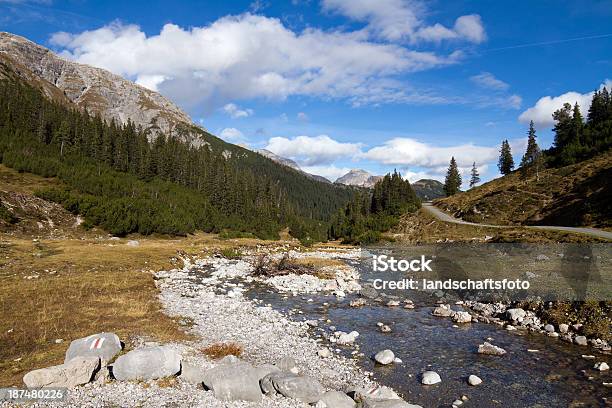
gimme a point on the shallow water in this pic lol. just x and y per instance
(555, 376)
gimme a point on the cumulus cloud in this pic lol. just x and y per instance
(404, 19)
(253, 56)
(236, 112)
(231, 134)
(312, 151)
(541, 112)
(404, 152)
(330, 172)
(488, 80)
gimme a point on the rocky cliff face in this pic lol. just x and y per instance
(96, 90)
(359, 178)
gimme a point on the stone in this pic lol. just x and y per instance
(358, 302)
(563, 328)
(388, 403)
(549, 328)
(442, 311)
(580, 340)
(192, 373)
(337, 399)
(133, 243)
(490, 349)
(516, 315)
(462, 317)
(78, 371)
(103, 345)
(234, 382)
(430, 378)
(384, 357)
(368, 292)
(303, 388)
(375, 393)
(265, 369)
(288, 364)
(385, 328)
(474, 380)
(602, 366)
(324, 353)
(147, 364)
(347, 338)
(393, 303)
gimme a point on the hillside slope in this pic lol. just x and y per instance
(576, 195)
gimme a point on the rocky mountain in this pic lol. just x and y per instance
(96, 90)
(289, 163)
(359, 178)
(427, 189)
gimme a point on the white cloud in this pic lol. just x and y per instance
(231, 134)
(406, 152)
(236, 112)
(396, 20)
(312, 151)
(488, 80)
(302, 116)
(541, 112)
(253, 56)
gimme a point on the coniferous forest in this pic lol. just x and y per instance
(116, 178)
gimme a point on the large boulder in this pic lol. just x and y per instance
(103, 345)
(430, 378)
(373, 393)
(337, 399)
(384, 357)
(305, 389)
(516, 314)
(442, 311)
(192, 373)
(78, 371)
(389, 403)
(288, 364)
(491, 349)
(232, 382)
(147, 364)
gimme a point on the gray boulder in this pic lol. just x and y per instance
(430, 378)
(368, 292)
(78, 371)
(288, 364)
(443, 311)
(384, 357)
(516, 315)
(390, 403)
(231, 382)
(103, 345)
(580, 340)
(305, 389)
(147, 364)
(373, 393)
(265, 369)
(337, 399)
(490, 349)
(474, 380)
(192, 373)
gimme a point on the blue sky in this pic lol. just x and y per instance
(340, 84)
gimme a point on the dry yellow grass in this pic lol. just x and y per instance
(220, 350)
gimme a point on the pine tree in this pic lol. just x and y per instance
(452, 183)
(533, 155)
(506, 162)
(475, 179)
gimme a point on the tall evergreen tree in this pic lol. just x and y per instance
(452, 183)
(532, 159)
(506, 162)
(475, 176)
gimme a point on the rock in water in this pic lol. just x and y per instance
(563, 328)
(103, 345)
(549, 328)
(358, 302)
(430, 378)
(305, 389)
(337, 399)
(78, 371)
(236, 381)
(474, 380)
(347, 338)
(442, 311)
(490, 349)
(603, 366)
(516, 315)
(384, 357)
(580, 340)
(147, 364)
(462, 317)
(368, 292)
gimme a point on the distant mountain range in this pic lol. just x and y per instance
(425, 189)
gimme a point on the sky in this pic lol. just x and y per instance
(341, 84)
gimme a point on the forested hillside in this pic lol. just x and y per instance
(117, 179)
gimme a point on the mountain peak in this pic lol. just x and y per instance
(99, 91)
(359, 178)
